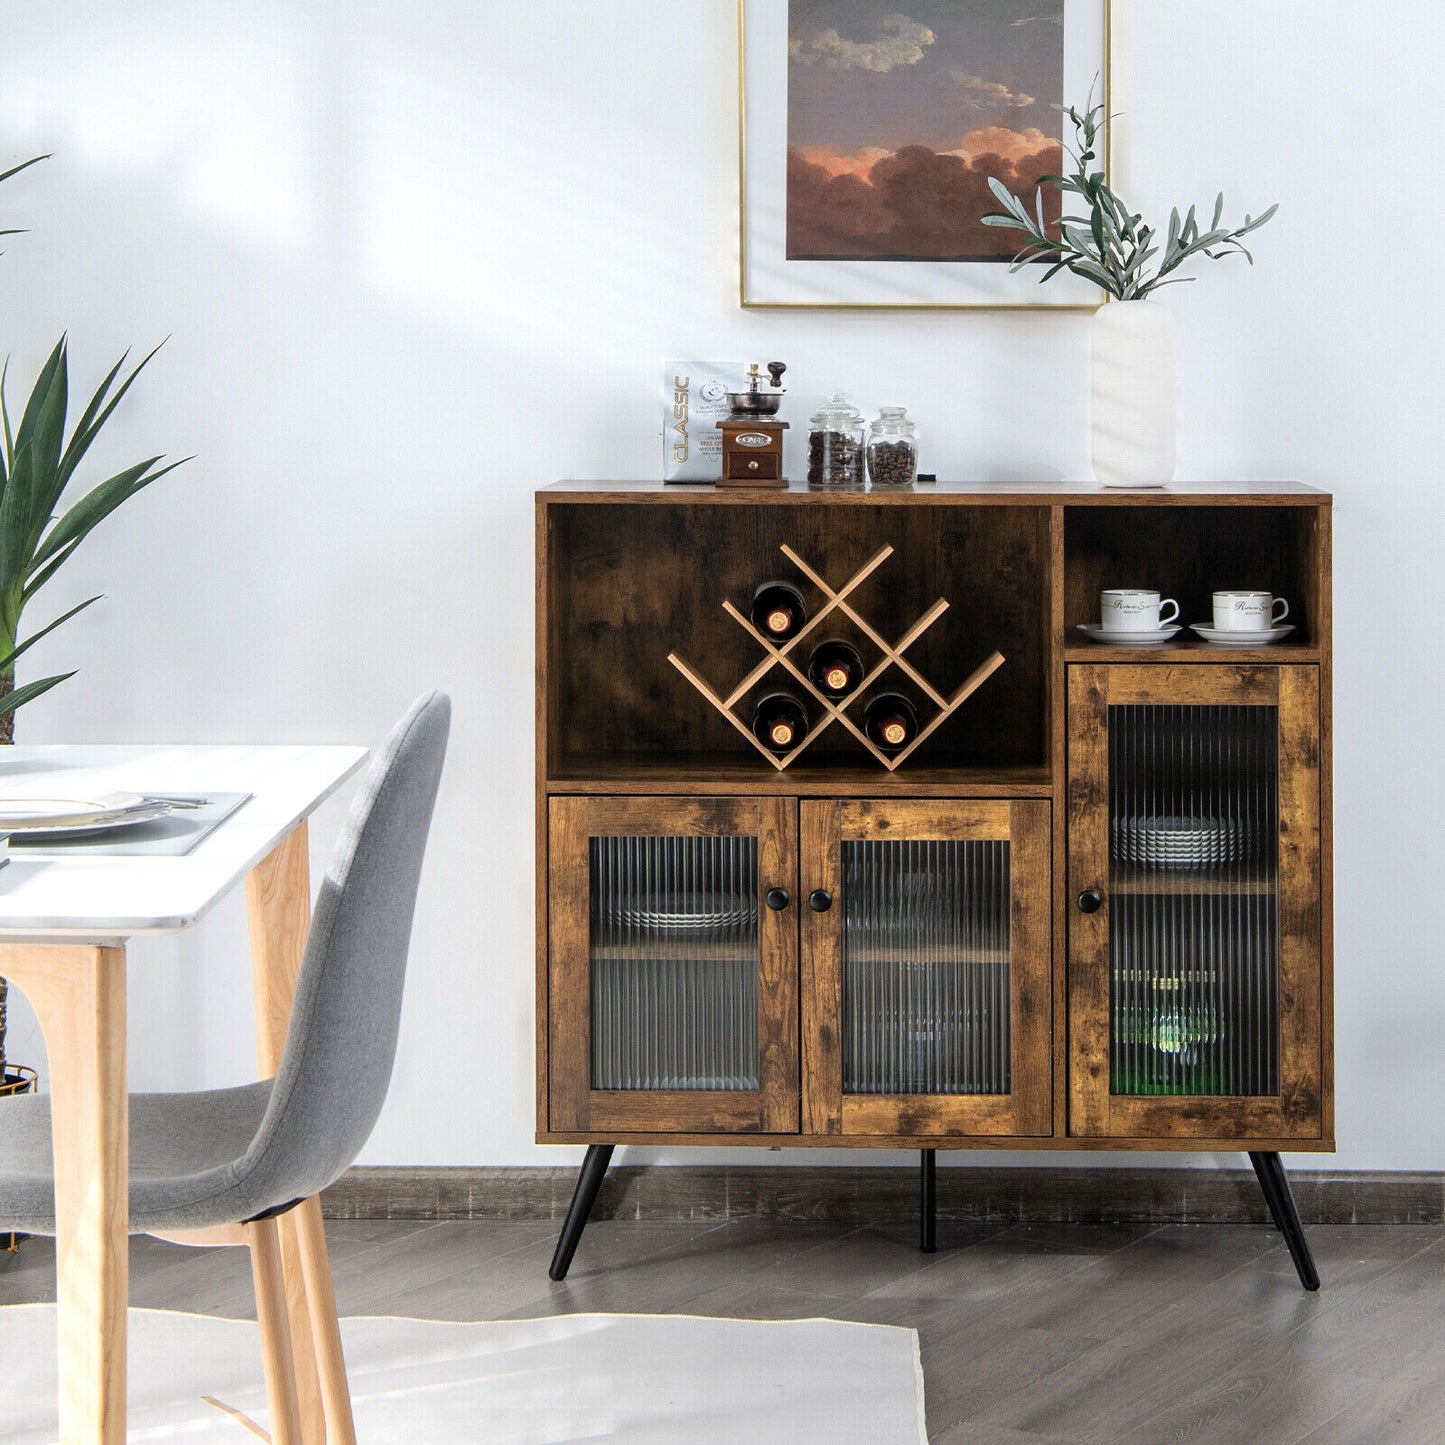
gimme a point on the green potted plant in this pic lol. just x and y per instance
(37, 537)
(1132, 418)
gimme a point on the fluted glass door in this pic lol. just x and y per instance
(926, 938)
(1194, 878)
(925, 960)
(674, 956)
(674, 952)
(1194, 936)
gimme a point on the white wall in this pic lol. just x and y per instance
(415, 260)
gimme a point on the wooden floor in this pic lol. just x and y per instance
(1031, 1334)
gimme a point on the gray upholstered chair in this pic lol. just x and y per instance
(219, 1166)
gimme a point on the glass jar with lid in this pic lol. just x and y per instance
(892, 449)
(835, 444)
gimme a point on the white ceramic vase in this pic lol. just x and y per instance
(1132, 411)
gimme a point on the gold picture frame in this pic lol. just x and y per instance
(769, 279)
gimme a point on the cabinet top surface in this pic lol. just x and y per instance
(1024, 493)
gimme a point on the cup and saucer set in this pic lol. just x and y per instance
(1135, 617)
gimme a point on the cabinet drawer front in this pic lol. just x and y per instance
(926, 972)
(1194, 829)
(673, 988)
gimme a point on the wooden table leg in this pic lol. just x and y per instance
(78, 994)
(278, 905)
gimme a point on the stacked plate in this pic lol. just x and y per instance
(692, 912)
(1180, 841)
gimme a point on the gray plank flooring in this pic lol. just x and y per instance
(1031, 1334)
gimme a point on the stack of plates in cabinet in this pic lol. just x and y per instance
(1180, 841)
(694, 916)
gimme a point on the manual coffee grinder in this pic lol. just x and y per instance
(752, 440)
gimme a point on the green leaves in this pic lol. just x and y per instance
(38, 465)
(16, 230)
(1111, 246)
(29, 691)
(24, 165)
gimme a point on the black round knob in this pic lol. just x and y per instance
(777, 897)
(1089, 901)
(820, 900)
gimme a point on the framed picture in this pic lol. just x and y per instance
(869, 132)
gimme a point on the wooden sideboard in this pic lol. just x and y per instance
(1089, 910)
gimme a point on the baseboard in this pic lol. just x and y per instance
(862, 1195)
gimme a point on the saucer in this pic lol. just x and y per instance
(1264, 638)
(1097, 632)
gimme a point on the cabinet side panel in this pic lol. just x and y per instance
(1322, 532)
(1300, 902)
(569, 1034)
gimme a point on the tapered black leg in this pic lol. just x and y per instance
(927, 1202)
(1275, 1184)
(589, 1181)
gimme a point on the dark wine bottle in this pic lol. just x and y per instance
(835, 668)
(778, 610)
(890, 722)
(780, 722)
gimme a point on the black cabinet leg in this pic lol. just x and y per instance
(589, 1181)
(1275, 1185)
(927, 1202)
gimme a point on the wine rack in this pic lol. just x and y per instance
(835, 711)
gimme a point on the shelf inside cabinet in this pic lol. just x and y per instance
(681, 774)
(1182, 649)
(1127, 878)
(672, 950)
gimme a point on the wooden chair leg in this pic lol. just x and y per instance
(271, 1315)
(278, 906)
(303, 1347)
(325, 1325)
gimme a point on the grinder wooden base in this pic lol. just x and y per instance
(752, 453)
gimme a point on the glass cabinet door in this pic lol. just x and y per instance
(925, 984)
(673, 965)
(1194, 959)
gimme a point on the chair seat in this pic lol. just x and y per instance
(185, 1152)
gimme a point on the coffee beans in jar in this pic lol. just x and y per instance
(835, 445)
(892, 449)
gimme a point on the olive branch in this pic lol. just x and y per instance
(1111, 245)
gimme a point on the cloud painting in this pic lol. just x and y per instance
(896, 119)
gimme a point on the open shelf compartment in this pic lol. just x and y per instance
(624, 588)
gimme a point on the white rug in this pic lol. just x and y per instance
(638, 1379)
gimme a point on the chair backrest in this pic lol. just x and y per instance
(341, 1043)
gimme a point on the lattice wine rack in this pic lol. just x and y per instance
(835, 711)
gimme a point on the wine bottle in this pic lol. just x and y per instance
(778, 610)
(780, 722)
(890, 722)
(835, 668)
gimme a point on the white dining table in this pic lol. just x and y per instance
(64, 923)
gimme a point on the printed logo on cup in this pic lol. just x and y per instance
(1134, 609)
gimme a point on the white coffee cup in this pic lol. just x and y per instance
(1132, 609)
(1248, 611)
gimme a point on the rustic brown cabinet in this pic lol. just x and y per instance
(1091, 910)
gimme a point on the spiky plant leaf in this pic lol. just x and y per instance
(28, 692)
